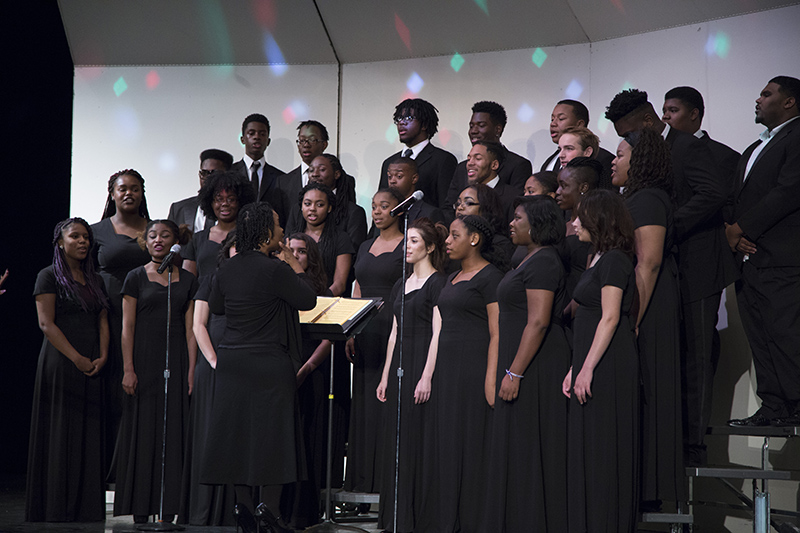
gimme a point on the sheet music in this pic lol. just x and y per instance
(333, 310)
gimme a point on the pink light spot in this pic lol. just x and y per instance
(264, 11)
(289, 115)
(402, 31)
(88, 73)
(618, 5)
(152, 79)
(444, 136)
(407, 95)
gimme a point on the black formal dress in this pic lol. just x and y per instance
(65, 462)
(663, 476)
(255, 437)
(603, 433)
(417, 468)
(114, 255)
(462, 415)
(201, 504)
(376, 275)
(527, 453)
(204, 252)
(139, 445)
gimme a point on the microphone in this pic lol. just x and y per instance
(408, 202)
(175, 250)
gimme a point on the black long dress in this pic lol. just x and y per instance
(527, 476)
(376, 275)
(603, 440)
(65, 469)
(201, 504)
(115, 255)
(138, 455)
(416, 430)
(663, 476)
(461, 415)
(202, 251)
(254, 437)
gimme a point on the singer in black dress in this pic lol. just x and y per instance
(603, 382)
(144, 340)
(378, 267)
(65, 462)
(527, 485)
(464, 382)
(426, 253)
(116, 252)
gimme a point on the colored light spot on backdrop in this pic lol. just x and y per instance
(403, 31)
(525, 112)
(603, 123)
(152, 79)
(626, 86)
(288, 115)
(277, 63)
(293, 111)
(444, 136)
(718, 44)
(125, 123)
(120, 86)
(574, 90)
(264, 12)
(538, 57)
(618, 5)
(216, 41)
(415, 83)
(483, 4)
(167, 162)
(391, 134)
(457, 62)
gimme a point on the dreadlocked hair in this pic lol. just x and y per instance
(315, 271)
(327, 239)
(433, 235)
(651, 163)
(603, 214)
(423, 111)
(225, 247)
(90, 296)
(481, 226)
(255, 225)
(110, 208)
(625, 103)
(345, 193)
(230, 181)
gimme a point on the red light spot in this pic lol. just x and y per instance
(88, 73)
(152, 80)
(288, 115)
(619, 6)
(402, 31)
(408, 95)
(444, 136)
(264, 11)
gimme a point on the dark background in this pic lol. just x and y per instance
(36, 90)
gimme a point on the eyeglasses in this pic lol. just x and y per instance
(307, 142)
(405, 120)
(203, 173)
(465, 203)
(219, 199)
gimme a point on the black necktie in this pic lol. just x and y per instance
(408, 152)
(254, 175)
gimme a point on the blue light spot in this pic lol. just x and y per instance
(415, 83)
(525, 113)
(277, 63)
(574, 90)
(126, 123)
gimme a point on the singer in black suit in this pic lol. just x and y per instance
(186, 211)
(683, 110)
(763, 232)
(417, 123)
(254, 166)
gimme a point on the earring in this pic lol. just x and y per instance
(474, 243)
(267, 240)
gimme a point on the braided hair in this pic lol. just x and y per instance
(90, 296)
(327, 239)
(481, 226)
(111, 207)
(345, 193)
(255, 225)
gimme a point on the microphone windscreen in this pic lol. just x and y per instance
(176, 248)
(418, 195)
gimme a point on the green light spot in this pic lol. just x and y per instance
(626, 86)
(722, 45)
(538, 57)
(483, 5)
(391, 134)
(120, 86)
(457, 62)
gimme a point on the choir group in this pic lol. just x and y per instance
(557, 329)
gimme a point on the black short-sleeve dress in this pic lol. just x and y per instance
(663, 476)
(416, 431)
(203, 251)
(461, 413)
(603, 440)
(138, 454)
(376, 275)
(527, 486)
(65, 469)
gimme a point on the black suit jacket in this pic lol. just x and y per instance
(604, 156)
(549, 159)
(767, 203)
(701, 191)
(183, 212)
(268, 191)
(435, 168)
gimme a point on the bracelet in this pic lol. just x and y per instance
(513, 375)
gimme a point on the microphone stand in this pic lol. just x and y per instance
(401, 329)
(160, 525)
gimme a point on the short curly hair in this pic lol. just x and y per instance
(495, 111)
(625, 103)
(230, 181)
